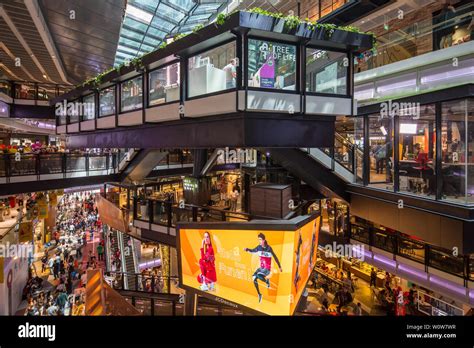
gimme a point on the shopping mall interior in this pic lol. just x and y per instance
(191, 157)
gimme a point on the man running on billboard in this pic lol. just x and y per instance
(298, 255)
(265, 252)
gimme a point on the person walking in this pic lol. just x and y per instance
(100, 252)
(373, 278)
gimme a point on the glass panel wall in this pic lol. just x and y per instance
(359, 148)
(213, 71)
(417, 150)
(74, 112)
(88, 104)
(164, 85)
(454, 150)
(381, 151)
(46, 92)
(25, 91)
(326, 71)
(131, 93)
(271, 65)
(5, 87)
(107, 102)
(470, 151)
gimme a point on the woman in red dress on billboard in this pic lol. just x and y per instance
(208, 277)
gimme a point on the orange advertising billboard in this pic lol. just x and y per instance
(262, 266)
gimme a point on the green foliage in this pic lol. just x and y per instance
(162, 45)
(221, 18)
(198, 27)
(292, 22)
(258, 10)
(179, 36)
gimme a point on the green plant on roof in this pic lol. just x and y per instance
(198, 27)
(221, 18)
(179, 36)
(292, 22)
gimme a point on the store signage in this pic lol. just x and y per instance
(242, 156)
(190, 184)
(252, 265)
(276, 51)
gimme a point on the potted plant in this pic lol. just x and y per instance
(261, 19)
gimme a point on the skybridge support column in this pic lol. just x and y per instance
(197, 188)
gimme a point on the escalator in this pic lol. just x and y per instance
(129, 261)
(327, 170)
(141, 164)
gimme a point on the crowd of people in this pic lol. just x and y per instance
(63, 263)
(39, 147)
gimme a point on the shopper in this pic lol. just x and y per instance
(358, 309)
(100, 252)
(373, 278)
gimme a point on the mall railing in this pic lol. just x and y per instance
(13, 165)
(416, 250)
(32, 91)
(175, 159)
(143, 283)
(167, 214)
(434, 306)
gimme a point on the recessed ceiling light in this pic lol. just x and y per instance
(44, 76)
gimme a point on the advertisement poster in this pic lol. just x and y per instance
(253, 268)
(25, 232)
(42, 210)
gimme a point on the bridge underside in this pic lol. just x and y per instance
(238, 130)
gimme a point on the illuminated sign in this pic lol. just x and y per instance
(262, 266)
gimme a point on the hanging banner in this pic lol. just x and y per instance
(25, 232)
(42, 210)
(53, 198)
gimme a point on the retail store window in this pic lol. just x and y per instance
(74, 112)
(213, 71)
(381, 152)
(107, 102)
(131, 94)
(5, 87)
(46, 92)
(417, 150)
(164, 85)
(88, 104)
(326, 71)
(271, 65)
(457, 151)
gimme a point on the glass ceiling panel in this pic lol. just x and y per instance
(170, 14)
(185, 5)
(134, 25)
(147, 22)
(147, 5)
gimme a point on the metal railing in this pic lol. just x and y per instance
(167, 214)
(416, 250)
(55, 163)
(143, 283)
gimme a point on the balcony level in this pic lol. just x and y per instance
(249, 82)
